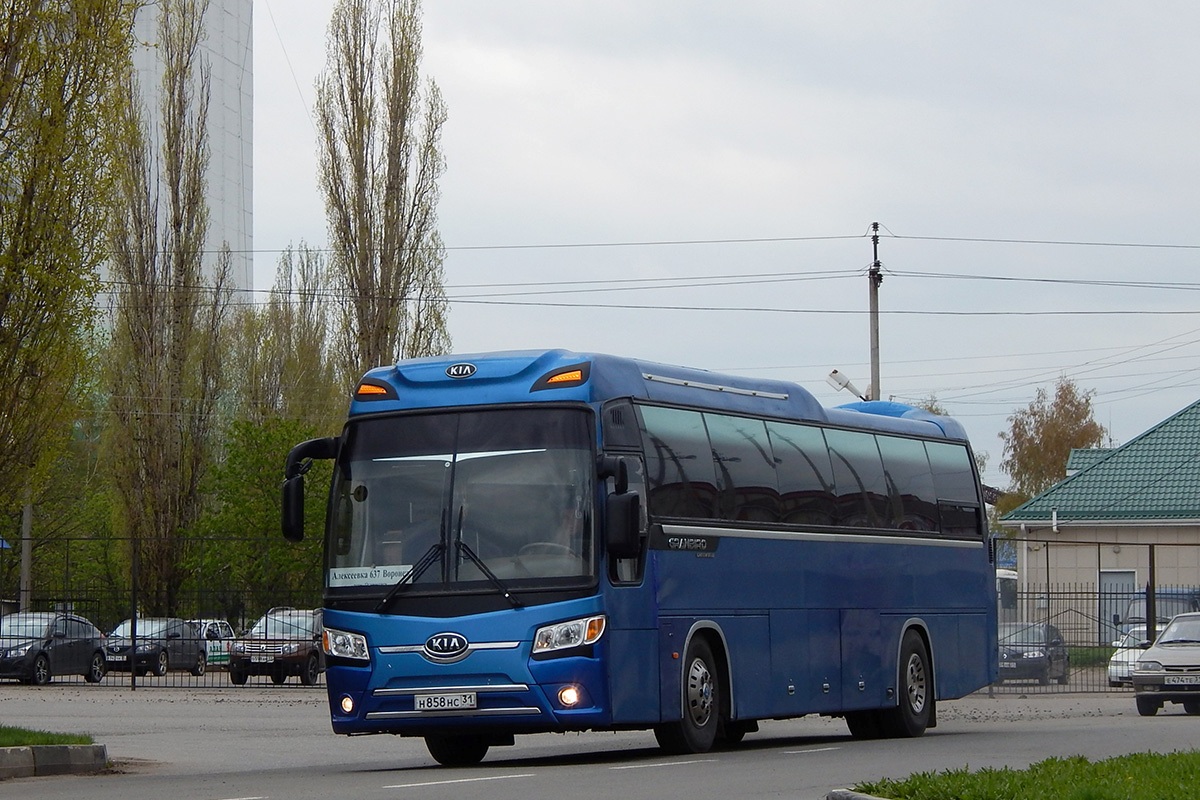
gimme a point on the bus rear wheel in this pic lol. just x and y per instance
(457, 751)
(912, 714)
(697, 730)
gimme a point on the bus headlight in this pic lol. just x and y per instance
(341, 644)
(568, 634)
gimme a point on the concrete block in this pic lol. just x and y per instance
(16, 762)
(69, 759)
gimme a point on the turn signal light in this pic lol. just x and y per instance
(570, 376)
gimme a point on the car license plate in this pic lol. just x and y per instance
(1182, 680)
(1008, 665)
(262, 659)
(115, 658)
(444, 702)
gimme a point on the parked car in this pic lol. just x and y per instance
(284, 642)
(1033, 650)
(163, 643)
(1129, 650)
(217, 634)
(37, 645)
(1169, 670)
(1168, 602)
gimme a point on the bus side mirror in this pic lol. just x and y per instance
(293, 509)
(622, 523)
(299, 460)
(614, 467)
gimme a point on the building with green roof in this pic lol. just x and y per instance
(1097, 525)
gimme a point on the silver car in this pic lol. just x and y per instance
(1170, 669)
(1128, 650)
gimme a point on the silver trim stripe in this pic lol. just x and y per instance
(713, 387)
(490, 687)
(858, 538)
(393, 649)
(475, 712)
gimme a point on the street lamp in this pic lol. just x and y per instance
(839, 381)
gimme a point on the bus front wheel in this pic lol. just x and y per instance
(697, 730)
(912, 714)
(457, 751)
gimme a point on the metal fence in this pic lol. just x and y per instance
(1082, 615)
(1089, 620)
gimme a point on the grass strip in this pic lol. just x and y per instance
(1139, 776)
(21, 737)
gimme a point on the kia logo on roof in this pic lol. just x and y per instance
(461, 370)
(446, 646)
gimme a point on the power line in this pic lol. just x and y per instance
(1052, 242)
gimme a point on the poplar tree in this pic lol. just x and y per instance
(379, 139)
(58, 60)
(165, 375)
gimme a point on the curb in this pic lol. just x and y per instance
(52, 759)
(849, 794)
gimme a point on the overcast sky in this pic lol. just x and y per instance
(712, 171)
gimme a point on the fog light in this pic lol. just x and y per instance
(347, 704)
(568, 696)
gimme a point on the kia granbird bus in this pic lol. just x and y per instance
(527, 542)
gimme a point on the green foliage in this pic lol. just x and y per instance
(1095, 656)
(57, 62)
(23, 737)
(239, 560)
(1139, 776)
(1040, 440)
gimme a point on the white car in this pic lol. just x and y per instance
(217, 634)
(1129, 647)
(1170, 670)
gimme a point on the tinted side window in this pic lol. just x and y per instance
(911, 496)
(958, 493)
(859, 480)
(679, 463)
(953, 472)
(804, 474)
(745, 468)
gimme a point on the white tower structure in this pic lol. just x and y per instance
(228, 50)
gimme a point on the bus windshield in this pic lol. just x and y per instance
(442, 502)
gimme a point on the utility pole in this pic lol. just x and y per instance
(874, 278)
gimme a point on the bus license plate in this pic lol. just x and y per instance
(1182, 680)
(444, 702)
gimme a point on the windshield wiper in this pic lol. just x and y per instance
(492, 579)
(432, 555)
(463, 547)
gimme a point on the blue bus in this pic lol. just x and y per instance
(526, 542)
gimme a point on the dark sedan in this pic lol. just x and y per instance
(1033, 650)
(37, 645)
(163, 643)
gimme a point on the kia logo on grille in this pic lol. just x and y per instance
(446, 646)
(458, 371)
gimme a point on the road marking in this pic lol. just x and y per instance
(460, 780)
(813, 750)
(667, 764)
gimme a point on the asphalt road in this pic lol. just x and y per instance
(264, 742)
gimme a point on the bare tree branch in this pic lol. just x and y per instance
(380, 162)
